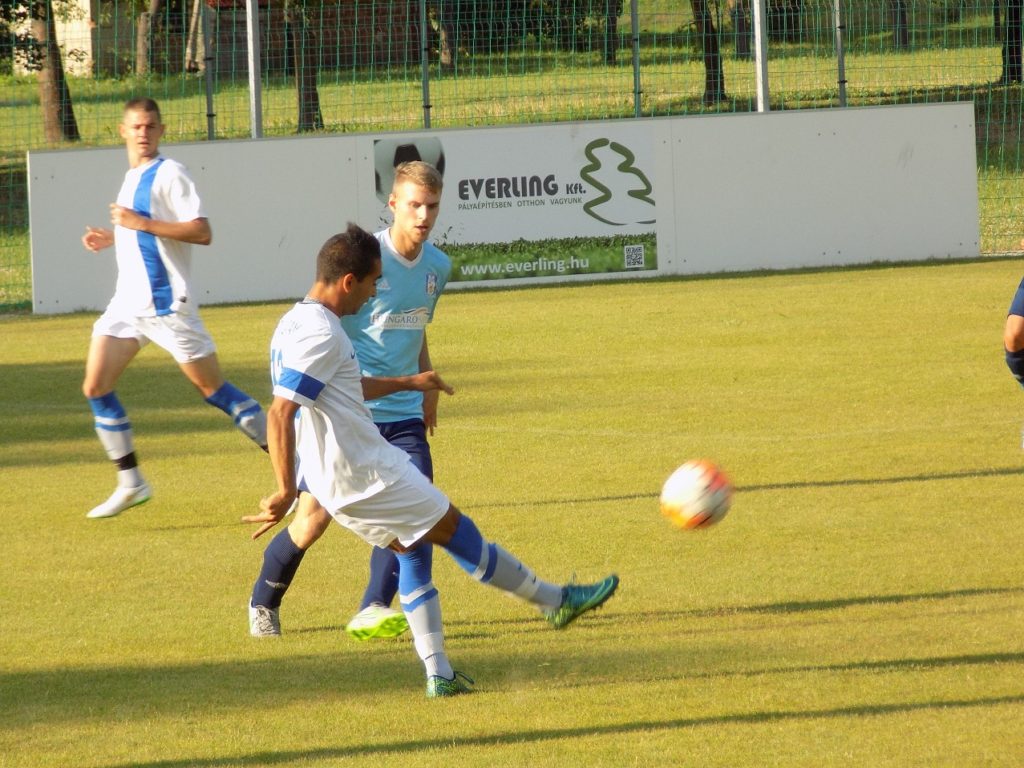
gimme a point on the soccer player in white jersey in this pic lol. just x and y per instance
(320, 429)
(390, 338)
(157, 218)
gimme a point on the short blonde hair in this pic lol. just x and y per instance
(419, 173)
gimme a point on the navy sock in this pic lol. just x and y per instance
(281, 560)
(1015, 362)
(383, 584)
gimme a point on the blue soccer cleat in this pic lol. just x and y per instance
(577, 599)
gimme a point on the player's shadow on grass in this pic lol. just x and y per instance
(541, 735)
(46, 407)
(467, 629)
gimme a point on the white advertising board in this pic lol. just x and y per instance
(822, 188)
(550, 203)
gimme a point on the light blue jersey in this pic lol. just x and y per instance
(388, 331)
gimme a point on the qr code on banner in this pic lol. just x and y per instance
(634, 256)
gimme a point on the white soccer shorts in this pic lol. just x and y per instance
(183, 335)
(406, 510)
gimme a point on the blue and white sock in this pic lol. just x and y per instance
(115, 434)
(422, 609)
(490, 564)
(243, 410)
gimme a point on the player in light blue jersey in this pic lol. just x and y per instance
(320, 430)
(390, 337)
(156, 219)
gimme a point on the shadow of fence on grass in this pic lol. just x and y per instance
(520, 737)
(801, 606)
(925, 477)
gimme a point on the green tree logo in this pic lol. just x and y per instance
(624, 192)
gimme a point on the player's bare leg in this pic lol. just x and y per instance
(206, 376)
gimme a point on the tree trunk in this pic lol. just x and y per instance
(54, 98)
(611, 30)
(900, 26)
(306, 66)
(741, 29)
(714, 78)
(195, 45)
(447, 32)
(794, 20)
(144, 30)
(1012, 35)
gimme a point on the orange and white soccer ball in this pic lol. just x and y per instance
(696, 495)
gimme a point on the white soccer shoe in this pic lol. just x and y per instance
(120, 500)
(263, 621)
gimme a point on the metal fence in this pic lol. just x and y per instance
(67, 67)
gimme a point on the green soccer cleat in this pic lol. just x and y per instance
(377, 621)
(577, 599)
(438, 687)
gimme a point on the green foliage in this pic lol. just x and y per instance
(860, 605)
(17, 45)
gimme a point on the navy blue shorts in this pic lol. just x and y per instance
(411, 436)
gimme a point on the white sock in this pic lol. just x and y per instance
(428, 636)
(515, 578)
(129, 478)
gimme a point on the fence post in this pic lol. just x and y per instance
(211, 116)
(761, 55)
(425, 62)
(634, 20)
(840, 53)
(252, 33)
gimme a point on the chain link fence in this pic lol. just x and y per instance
(332, 66)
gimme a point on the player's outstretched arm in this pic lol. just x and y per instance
(97, 238)
(281, 447)
(425, 381)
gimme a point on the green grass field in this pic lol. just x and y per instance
(862, 604)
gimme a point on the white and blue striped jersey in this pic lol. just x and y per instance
(388, 331)
(342, 456)
(154, 274)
